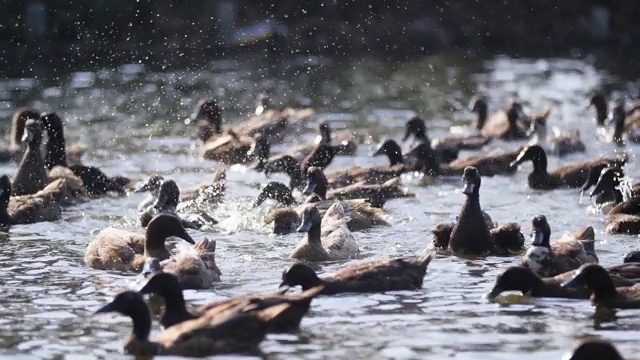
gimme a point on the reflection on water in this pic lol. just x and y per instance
(130, 120)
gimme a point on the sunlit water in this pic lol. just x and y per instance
(130, 120)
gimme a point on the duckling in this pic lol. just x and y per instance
(167, 286)
(26, 209)
(565, 254)
(604, 292)
(393, 274)
(593, 349)
(505, 124)
(166, 203)
(361, 213)
(221, 333)
(317, 184)
(559, 144)
(95, 181)
(14, 151)
(471, 235)
(568, 176)
(327, 238)
(445, 151)
(115, 249)
(523, 279)
(193, 268)
(31, 175)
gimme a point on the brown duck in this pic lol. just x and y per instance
(27, 209)
(115, 249)
(446, 149)
(603, 290)
(568, 176)
(506, 125)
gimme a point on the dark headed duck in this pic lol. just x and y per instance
(445, 151)
(602, 287)
(505, 125)
(27, 209)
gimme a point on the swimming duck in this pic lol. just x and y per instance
(115, 249)
(559, 144)
(505, 124)
(343, 142)
(593, 349)
(31, 175)
(378, 276)
(471, 235)
(624, 218)
(211, 193)
(175, 311)
(604, 292)
(327, 238)
(94, 180)
(27, 209)
(194, 268)
(289, 165)
(361, 213)
(565, 254)
(318, 184)
(446, 150)
(609, 187)
(568, 176)
(523, 279)
(220, 333)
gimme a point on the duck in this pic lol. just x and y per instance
(568, 176)
(289, 165)
(343, 142)
(31, 175)
(471, 235)
(478, 105)
(394, 274)
(168, 287)
(220, 333)
(565, 254)
(361, 213)
(558, 145)
(96, 182)
(624, 123)
(609, 187)
(505, 125)
(446, 150)
(211, 194)
(593, 349)
(632, 257)
(327, 238)
(602, 287)
(115, 249)
(14, 150)
(194, 268)
(167, 203)
(525, 280)
(28, 209)
(317, 184)
(624, 218)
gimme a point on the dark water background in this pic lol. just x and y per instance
(129, 118)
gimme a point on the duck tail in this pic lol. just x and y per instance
(585, 234)
(426, 260)
(206, 249)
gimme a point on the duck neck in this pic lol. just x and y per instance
(313, 235)
(17, 128)
(472, 204)
(175, 308)
(483, 114)
(605, 290)
(539, 163)
(310, 283)
(55, 153)
(141, 325)
(617, 196)
(601, 112)
(154, 245)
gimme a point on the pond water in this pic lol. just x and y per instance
(130, 120)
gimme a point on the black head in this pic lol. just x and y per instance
(541, 231)
(599, 102)
(260, 150)
(515, 278)
(131, 304)
(208, 110)
(514, 111)
(168, 195)
(316, 182)
(56, 154)
(310, 219)
(393, 151)
(471, 181)
(324, 129)
(617, 117)
(593, 349)
(593, 276)
(276, 191)
(162, 284)
(52, 122)
(534, 153)
(632, 257)
(300, 274)
(152, 184)
(478, 105)
(608, 180)
(164, 226)
(32, 135)
(416, 127)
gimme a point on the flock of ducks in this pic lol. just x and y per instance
(328, 208)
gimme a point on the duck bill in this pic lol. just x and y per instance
(106, 309)
(537, 239)
(310, 188)
(468, 188)
(379, 152)
(517, 161)
(185, 236)
(306, 225)
(494, 293)
(261, 198)
(576, 282)
(283, 286)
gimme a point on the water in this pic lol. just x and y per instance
(130, 120)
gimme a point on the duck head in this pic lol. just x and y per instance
(168, 195)
(416, 127)
(632, 257)
(56, 153)
(131, 304)
(32, 134)
(299, 274)
(599, 102)
(18, 121)
(593, 349)
(324, 133)
(392, 150)
(161, 227)
(608, 181)
(534, 153)
(263, 103)
(260, 151)
(541, 231)
(470, 181)
(209, 111)
(515, 278)
(593, 276)
(310, 223)
(316, 183)
(514, 112)
(478, 105)
(152, 185)
(276, 191)
(165, 285)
